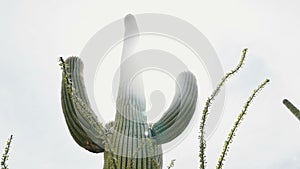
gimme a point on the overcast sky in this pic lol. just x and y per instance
(34, 33)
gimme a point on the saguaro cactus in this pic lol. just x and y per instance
(129, 141)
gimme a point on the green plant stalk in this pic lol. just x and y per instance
(172, 163)
(292, 108)
(237, 124)
(5, 154)
(75, 106)
(206, 108)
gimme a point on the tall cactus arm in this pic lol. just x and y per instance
(292, 108)
(81, 120)
(179, 114)
(130, 92)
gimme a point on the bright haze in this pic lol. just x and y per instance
(35, 33)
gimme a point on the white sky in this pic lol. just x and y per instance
(34, 33)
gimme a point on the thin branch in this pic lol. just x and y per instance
(232, 132)
(208, 104)
(172, 163)
(5, 155)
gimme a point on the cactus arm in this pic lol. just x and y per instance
(130, 92)
(178, 116)
(81, 120)
(292, 108)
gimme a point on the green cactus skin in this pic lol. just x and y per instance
(292, 108)
(178, 116)
(77, 125)
(121, 149)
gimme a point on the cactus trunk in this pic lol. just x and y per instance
(132, 147)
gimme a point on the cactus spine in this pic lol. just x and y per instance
(128, 141)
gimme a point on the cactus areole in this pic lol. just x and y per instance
(128, 141)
